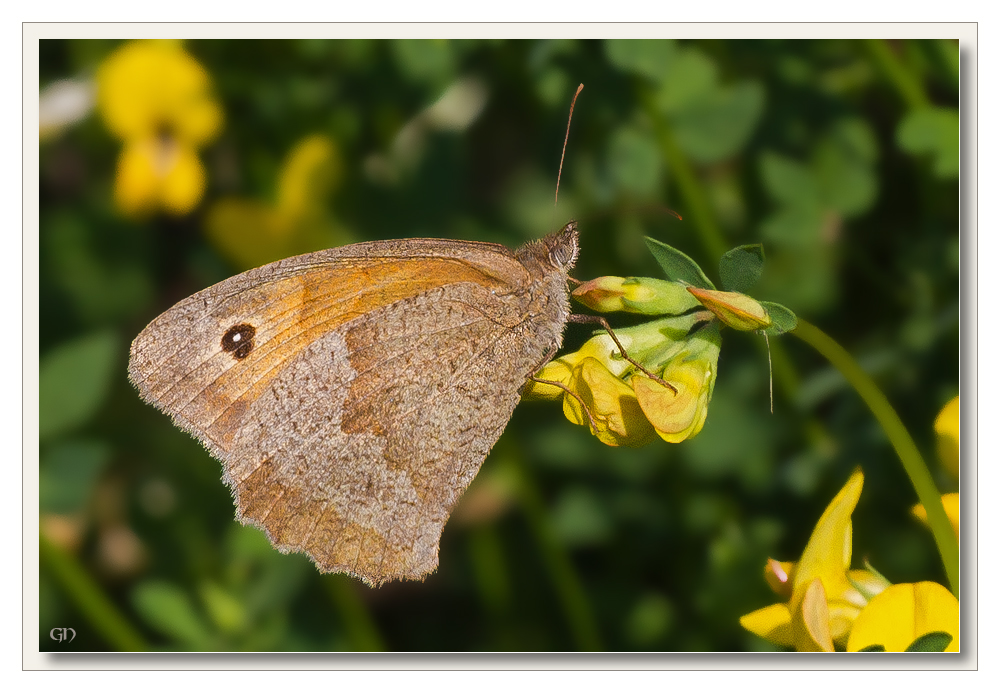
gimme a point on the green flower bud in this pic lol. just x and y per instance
(642, 295)
(736, 310)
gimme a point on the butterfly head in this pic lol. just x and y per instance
(563, 247)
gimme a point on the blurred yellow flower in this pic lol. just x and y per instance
(157, 99)
(824, 595)
(951, 508)
(903, 613)
(947, 428)
(251, 233)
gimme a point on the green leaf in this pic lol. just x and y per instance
(873, 648)
(100, 289)
(933, 132)
(650, 618)
(677, 266)
(788, 181)
(741, 267)
(782, 319)
(692, 76)
(580, 518)
(73, 381)
(168, 609)
(931, 642)
(843, 164)
(717, 126)
(648, 58)
(794, 225)
(429, 62)
(67, 473)
(227, 612)
(634, 161)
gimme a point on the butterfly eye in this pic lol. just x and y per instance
(563, 255)
(239, 340)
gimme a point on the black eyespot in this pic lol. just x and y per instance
(239, 340)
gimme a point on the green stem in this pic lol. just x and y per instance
(89, 598)
(692, 191)
(887, 417)
(357, 620)
(907, 85)
(713, 242)
(569, 589)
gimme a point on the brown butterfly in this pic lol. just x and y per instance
(352, 394)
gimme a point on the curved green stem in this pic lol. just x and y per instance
(692, 191)
(890, 422)
(906, 84)
(104, 617)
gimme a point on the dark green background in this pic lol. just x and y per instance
(840, 156)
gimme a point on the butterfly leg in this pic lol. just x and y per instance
(545, 359)
(604, 323)
(586, 409)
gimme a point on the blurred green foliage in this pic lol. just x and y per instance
(841, 157)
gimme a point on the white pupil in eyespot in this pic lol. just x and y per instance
(236, 337)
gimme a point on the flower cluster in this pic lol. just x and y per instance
(156, 98)
(664, 385)
(829, 606)
(628, 407)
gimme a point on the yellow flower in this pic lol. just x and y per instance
(947, 428)
(157, 99)
(825, 597)
(560, 370)
(627, 406)
(903, 613)
(251, 233)
(951, 508)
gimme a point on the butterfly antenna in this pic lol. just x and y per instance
(566, 141)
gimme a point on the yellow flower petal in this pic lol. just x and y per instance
(560, 371)
(778, 575)
(184, 184)
(680, 415)
(612, 404)
(811, 620)
(904, 612)
(137, 181)
(947, 427)
(868, 584)
(155, 173)
(828, 553)
(772, 623)
(951, 509)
